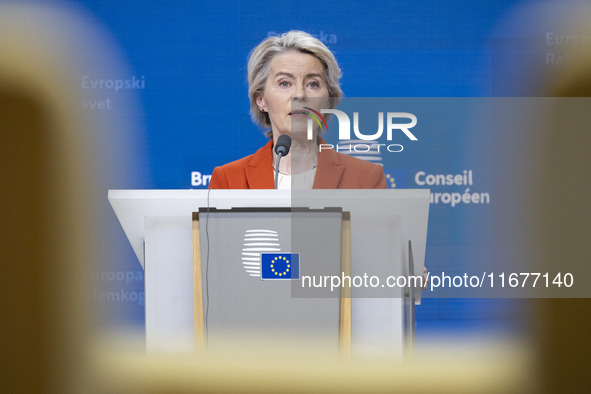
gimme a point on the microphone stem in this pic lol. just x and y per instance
(277, 169)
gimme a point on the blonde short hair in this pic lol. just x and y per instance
(259, 67)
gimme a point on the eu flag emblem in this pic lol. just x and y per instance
(280, 266)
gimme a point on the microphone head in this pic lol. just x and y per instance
(283, 144)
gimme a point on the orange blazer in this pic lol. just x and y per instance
(334, 171)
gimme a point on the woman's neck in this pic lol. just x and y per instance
(302, 157)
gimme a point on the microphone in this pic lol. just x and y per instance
(281, 149)
(283, 144)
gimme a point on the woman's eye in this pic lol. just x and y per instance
(314, 85)
(283, 84)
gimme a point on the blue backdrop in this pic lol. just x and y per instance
(187, 65)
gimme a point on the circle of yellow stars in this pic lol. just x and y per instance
(277, 273)
(390, 179)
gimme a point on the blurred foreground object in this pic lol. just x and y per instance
(49, 238)
(53, 227)
(565, 213)
(47, 235)
(543, 49)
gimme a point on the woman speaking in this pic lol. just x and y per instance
(289, 77)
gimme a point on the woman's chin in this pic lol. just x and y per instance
(299, 126)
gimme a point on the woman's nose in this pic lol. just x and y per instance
(300, 92)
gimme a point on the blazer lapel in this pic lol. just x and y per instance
(259, 171)
(329, 170)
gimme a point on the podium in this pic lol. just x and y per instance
(158, 224)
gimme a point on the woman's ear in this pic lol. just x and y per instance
(260, 103)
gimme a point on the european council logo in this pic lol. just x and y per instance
(280, 266)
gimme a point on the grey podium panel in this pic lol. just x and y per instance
(239, 304)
